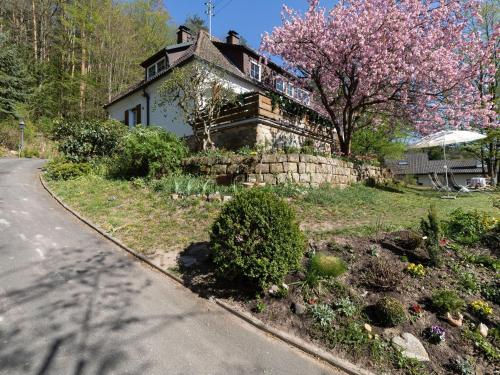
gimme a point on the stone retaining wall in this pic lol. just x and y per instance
(280, 168)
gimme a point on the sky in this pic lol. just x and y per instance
(250, 18)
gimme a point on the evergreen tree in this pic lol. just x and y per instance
(14, 79)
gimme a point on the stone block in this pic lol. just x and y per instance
(281, 178)
(262, 168)
(295, 177)
(310, 168)
(294, 158)
(269, 179)
(305, 177)
(276, 168)
(302, 167)
(290, 167)
(219, 169)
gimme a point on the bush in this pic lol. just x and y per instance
(148, 152)
(256, 239)
(380, 275)
(432, 232)
(389, 312)
(445, 301)
(491, 292)
(416, 270)
(81, 141)
(467, 227)
(322, 314)
(481, 309)
(66, 170)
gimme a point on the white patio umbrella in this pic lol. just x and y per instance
(445, 138)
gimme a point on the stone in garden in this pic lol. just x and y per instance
(410, 347)
(284, 286)
(226, 198)
(298, 308)
(174, 196)
(273, 290)
(483, 329)
(456, 322)
(368, 328)
(215, 197)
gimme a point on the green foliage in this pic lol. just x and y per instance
(447, 301)
(323, 314)
(256, 238)
(148, 151)
(432, 231)
(416, 270)
(81, 141)
(346, 307)
(462, 366)
(491, 292)
(481, 309)
(61, 169)
(260, 305)
(186, 185)
(9, 134)
(325, 266)
(488, 350)
(466, 227)
(389, 312)
(15, 82)
(468, 282)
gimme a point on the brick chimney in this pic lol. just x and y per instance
(232, 37)
(184, 35)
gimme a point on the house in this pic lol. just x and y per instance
(419, 166)
(259, 120)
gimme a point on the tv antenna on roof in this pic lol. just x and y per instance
(210, 12)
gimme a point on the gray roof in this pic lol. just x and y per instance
(419, 163)
(202, 48)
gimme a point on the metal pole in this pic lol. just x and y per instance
(210, 11)
(21, 127)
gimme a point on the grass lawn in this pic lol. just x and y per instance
(152, 223)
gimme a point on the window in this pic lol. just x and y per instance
(255, 70)
(152, 71)
(157, 67)
(161, 65)
(290, 90)
(280, 85)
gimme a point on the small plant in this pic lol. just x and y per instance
(345, 307)
(447, 301)
(489, 351)
(381, 275)
(468, 282)
(436, 334)
(432, 234)
(260, 306)
(322, 314)
(327, 265)
(491, 292)
(481, 308)
(389, 312)
(461, 366)
(416, 310)
(416, 270)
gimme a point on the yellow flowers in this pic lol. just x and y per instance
(481, 308)
(415, 270)
(489, 222)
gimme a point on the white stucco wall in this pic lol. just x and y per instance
(169, 118)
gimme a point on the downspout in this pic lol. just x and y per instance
(146, 95)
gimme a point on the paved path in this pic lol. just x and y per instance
(72, 303)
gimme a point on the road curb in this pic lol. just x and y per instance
(306, 347)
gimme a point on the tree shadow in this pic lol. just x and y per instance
(198, 274)
(77, 318)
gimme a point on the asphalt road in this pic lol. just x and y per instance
(72, 303)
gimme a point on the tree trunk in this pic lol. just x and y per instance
(35, 31)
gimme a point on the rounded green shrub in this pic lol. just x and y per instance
(327, 265)
(256, 239)
(445, 301)
(148, 152)
(466, 227)
(389, 312)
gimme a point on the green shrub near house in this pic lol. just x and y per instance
(81, 141)
(62, 169)
(148, 152)
(256, 239)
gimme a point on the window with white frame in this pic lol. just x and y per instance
(157, 67)
(280, 84)
(290, 90)
(255, 70)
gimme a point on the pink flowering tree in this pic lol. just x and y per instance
(409, 60)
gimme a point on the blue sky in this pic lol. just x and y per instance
(250, 18)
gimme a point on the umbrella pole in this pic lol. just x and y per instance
(447, 196)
